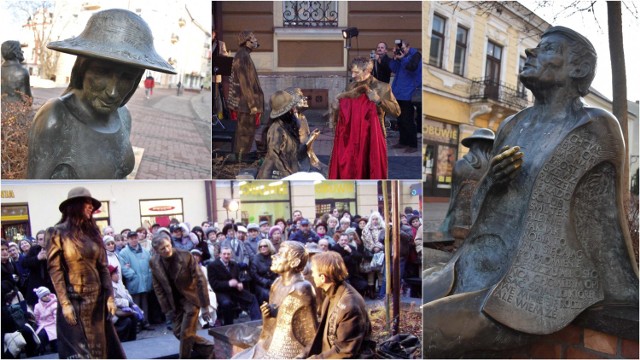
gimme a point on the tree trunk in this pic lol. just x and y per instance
(619, 81)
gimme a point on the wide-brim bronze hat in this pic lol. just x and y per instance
(116, 35)
(281, 102)
(77, 193)
(480, 134)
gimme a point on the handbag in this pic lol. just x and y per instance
(14, 342)
(365, 266)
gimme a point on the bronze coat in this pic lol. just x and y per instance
(188, 280)
(347, 324)
(78, 269)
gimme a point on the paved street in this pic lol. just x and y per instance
(402, 165)
(171, 134)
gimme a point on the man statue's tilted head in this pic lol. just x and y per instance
(580, 57)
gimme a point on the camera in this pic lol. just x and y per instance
(398, 49)
(372, 55)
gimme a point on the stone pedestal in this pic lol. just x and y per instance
(232, 339)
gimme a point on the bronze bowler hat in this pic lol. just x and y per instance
(480, 134)
(116, 35)
(76, 193)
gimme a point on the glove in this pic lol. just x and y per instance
(69, 314)
(258, 119)
(139, 313)
(111, 306)
(234, 115)
(206, 316)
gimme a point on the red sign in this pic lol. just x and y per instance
(161, 208)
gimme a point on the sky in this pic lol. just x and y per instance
(585, 23)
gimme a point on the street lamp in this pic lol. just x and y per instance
(231, 205)
(347, 34)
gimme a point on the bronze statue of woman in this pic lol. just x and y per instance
(84, 134)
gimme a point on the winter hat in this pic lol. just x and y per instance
(41, 292)
(112, 269)
(273, 229)
(108, 238)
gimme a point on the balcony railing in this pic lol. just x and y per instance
(310, 13)
(488, 89)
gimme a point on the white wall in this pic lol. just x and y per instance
(44, 197)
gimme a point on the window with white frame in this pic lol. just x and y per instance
(437, 41)
(462, 34)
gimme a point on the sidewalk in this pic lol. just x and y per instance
(171, 135)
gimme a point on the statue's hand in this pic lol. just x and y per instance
(312, 137)
(206, 315)
(505, 165)
(111, 306)
(69, 314)
(265, 309)
(373, 95)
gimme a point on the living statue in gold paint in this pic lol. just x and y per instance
(289, 321)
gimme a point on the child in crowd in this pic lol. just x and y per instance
(45, 313)
(128, 313)
(377, 265)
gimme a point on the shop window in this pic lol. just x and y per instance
(264, 200)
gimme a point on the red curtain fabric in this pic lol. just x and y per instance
(359, 146)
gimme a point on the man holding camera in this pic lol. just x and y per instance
(381, 60)
(406, 67)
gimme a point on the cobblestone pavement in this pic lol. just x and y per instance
(434, 214)
(174, 132)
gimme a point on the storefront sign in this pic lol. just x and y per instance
(8, 194)
(160, 207)
(336, 190)
(440, 132)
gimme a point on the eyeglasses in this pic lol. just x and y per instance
(263, 246)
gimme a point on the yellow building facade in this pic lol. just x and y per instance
(470, 77)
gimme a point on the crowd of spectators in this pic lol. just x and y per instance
(235, 256)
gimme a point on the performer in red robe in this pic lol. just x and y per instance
(359, 146)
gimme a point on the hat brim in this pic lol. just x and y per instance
(81, 47)
(277, 113)
(96, 204)
(468, 140)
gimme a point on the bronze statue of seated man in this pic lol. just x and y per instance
(549, 237)
(289, 320)
(84, 134)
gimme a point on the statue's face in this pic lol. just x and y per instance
(280, 261)
(106, 84)
(252, 43)
(165, 249)
(547, 64)
(87, 210)
(19, 55)
(360, 74)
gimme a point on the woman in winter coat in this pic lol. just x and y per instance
(373, 230)
(260, 270)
